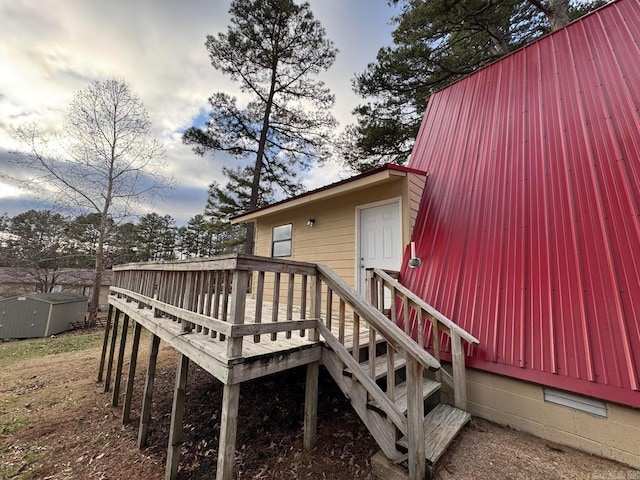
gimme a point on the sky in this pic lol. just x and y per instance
(50, 49)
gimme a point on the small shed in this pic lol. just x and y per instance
(40, 314)
(351, 225)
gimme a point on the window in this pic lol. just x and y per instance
(86, 291)
(56, 289)
(281, 242)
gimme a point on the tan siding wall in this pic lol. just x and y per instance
(415, 184)
(332, 240)
(521, 406)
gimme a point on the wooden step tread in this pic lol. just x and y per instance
(441, 425)
(380, 366)
(429, 387)
(363, 340)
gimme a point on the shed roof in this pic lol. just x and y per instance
(53, 298)
(529, 229)
(378, 176)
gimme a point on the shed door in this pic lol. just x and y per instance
(380, 239)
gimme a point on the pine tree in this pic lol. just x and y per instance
(435, 43)
(273, 49)
(225, 202)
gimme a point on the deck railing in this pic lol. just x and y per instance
(208, 297)
(409, 311)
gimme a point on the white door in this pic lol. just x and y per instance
(380, 239)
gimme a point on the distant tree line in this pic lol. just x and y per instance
(42, 242)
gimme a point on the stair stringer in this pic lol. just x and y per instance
(381, 429)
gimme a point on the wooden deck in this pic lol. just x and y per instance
(261, 354)
(214, 313)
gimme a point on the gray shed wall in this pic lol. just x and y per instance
(26, 317)
(62, 314)
(23, 317)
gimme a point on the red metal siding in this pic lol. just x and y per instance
(529, 228)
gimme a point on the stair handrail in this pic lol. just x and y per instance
(457, 381)
(385, 403)
(454, 327)
(392, 333)
(417, 359)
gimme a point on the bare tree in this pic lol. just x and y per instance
(105, 161)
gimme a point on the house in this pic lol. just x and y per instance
(19, 282)
(351, 225)
(528, 230)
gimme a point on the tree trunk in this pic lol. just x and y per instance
(94, 303)
(249, 243)
(558, 14)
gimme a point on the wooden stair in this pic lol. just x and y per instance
(429, 389)
(441, 423)
(380, 366)
(407, 420)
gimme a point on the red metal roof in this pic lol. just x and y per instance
(529, 229)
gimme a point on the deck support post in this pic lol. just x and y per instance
(459, 373)
(311, 405)
(228, 430)
(105, 342)
(126, 409)
(177, 413)
(145, 412)
(118, 377)
(415, 421)
(112, 349)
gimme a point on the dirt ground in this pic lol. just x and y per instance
(56, 423)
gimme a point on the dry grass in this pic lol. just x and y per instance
(56, 423)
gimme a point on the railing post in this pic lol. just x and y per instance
(238, 301)
(187, 298)
(370, 287)
(145, 412)
(415, 420)
(275, 302)
(435, 339)
(458, 370)
(105, 342)
(316, 305)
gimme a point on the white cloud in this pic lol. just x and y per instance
(9, 191)
(52, 48)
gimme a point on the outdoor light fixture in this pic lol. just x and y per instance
(311, 222)
(414, 262)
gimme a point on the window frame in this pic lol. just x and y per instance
(277, 240)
